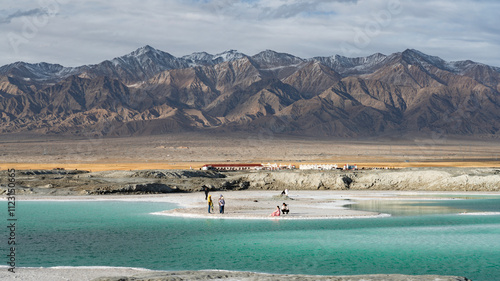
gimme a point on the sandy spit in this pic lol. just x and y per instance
(260, 204)
(137, 274)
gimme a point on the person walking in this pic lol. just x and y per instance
(222, 202)
(210, 203)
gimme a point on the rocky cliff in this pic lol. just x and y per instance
(167, 181)
(424, 179)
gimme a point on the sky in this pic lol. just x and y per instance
(79, 32)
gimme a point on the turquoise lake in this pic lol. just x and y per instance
(422, 237)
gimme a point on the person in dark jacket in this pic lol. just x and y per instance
(205, 188)
(284, 208)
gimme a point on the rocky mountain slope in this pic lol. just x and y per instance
(152, 92)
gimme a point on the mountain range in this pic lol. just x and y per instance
(149, 91)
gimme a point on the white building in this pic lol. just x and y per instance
(318, 167)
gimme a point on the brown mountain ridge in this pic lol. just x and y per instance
(152, 92)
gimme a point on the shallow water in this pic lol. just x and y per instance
(429, 207)
(125, 234)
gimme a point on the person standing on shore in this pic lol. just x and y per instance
(205, 188)
(210, 203)
(222, 202)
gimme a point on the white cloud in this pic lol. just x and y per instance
(83, 32)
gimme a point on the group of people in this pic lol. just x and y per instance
(208, 197)
(284, 210)
(222, 203)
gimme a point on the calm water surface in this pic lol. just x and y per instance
(423, 237)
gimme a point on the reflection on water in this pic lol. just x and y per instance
(403, 208)
(428, 207)
(452, 196)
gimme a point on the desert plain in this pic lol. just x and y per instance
(193, 150)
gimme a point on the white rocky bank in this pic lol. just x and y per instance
(428, 179)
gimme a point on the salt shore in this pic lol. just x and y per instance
(260, 204)
(138, 274)
(303, 204)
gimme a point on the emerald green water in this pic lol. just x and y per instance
(125, 234)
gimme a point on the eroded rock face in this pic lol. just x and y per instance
(437, 179)
(137, 188)
(177, 174)
(167, 181)
(299, 180)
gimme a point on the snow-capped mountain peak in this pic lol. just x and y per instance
(143, 55)
(199, 56)
(348, 66)
(416, 57)
(37, 71)
(144, 50)
(230, 55)
(204, 58)
(270, 58)
(146, 61)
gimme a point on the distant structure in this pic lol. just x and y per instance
(275, 167)
(232, 167)
(350, 167)
(318, 167)
(280, 166)
(242, 167)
